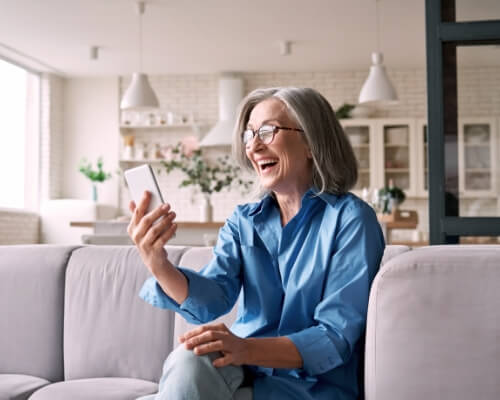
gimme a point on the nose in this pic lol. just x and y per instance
(254, 144)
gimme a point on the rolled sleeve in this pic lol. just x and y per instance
(213, 290)
(152, 293)
(316, 349)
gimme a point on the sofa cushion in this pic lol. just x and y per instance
(19, 387)
(108, 330)
(98, 388)
(31, 309)
(433, 325)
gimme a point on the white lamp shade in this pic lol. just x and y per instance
(377, 87)
(139, 95)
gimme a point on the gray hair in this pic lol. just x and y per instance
(335, 167)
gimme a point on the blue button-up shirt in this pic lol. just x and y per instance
(308, 281)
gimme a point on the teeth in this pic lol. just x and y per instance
(266, 162)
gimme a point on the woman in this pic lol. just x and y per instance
(303, 257)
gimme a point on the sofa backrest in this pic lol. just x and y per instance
(108, 330)
(198, 257)
(31, 309)
(434, 325)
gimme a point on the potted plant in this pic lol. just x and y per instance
(390, 198)
(95, 175)
(208, 177)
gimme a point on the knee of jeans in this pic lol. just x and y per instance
(185, 360)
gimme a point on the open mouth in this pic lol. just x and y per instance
(267, 165)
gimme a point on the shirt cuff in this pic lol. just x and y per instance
(152, 293)
(319, 353)
(194, 308)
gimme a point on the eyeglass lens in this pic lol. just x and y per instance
(265, 133)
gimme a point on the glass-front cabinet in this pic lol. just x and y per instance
(477, 157)
(385, 150)
(361, 133)
(397, 145)
(397, 150)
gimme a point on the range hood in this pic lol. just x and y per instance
(230, 96)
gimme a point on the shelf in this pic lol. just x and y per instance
(143, 161)
(396, 145)
(479, 171)
(147, 127)
(397, 170)
(478, 145)
(360, 146)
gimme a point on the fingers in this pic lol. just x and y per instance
(223, 361)
(156, 230)
(197, 331)
(166, 236)
(142, 226)
(131, 206)
(210, 347)
(203, 338)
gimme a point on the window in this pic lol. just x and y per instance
(19, 136)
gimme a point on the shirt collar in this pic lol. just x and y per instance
(268, 199)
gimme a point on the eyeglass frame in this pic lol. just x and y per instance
(256, 132)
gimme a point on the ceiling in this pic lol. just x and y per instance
(208, 36)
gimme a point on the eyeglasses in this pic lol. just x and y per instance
(265, 133)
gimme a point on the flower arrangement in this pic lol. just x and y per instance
(95, 175)
(207, 177)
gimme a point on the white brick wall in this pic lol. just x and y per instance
(18, 227)
(183, 94)
(51, 137)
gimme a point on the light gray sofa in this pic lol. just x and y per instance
(73, 327)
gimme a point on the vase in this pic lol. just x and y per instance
(206, 209)
(94, 192)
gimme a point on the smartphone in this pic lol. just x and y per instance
(140, 179)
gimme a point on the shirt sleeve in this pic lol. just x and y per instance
(213, 290)
(341, 314)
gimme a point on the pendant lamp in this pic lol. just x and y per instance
(139, 95)
(377, 87)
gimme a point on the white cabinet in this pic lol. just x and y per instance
(477, 157)
(361, 133)
(397, 153)
(385, 150)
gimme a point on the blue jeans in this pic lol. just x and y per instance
(187, 376)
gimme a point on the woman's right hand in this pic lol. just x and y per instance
(150, 238)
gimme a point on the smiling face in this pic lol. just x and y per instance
(284, 165)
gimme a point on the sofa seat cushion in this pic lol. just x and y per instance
(19, 387)
(96, 388)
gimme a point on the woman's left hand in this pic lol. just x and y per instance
(217, 337)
